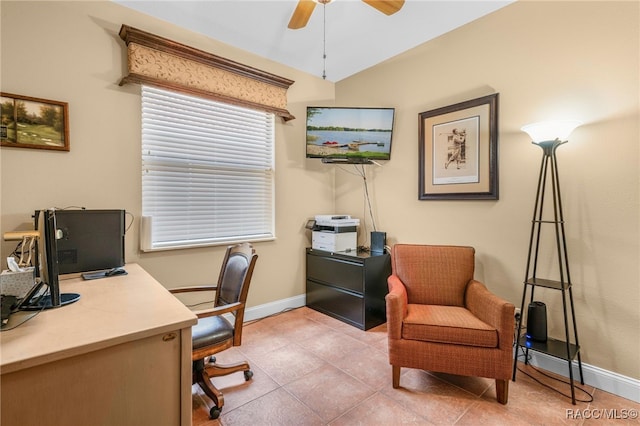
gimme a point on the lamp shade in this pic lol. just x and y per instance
(551, 130)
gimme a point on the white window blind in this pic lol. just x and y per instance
(207, 171)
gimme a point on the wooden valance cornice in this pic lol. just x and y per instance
(157, 61)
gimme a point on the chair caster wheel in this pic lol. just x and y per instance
(214, 413)
(248, 375)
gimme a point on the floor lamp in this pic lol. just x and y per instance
(549, 136)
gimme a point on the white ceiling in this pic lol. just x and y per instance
(357, 36)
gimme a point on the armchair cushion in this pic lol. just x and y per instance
(447, 324)
(210, 331)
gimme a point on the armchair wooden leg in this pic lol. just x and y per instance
(502, 390)
(395, 374)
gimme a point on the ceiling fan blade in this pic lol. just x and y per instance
(302, 14)
(388, 7)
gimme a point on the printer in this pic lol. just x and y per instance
(335, 233)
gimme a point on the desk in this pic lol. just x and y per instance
(121, 355)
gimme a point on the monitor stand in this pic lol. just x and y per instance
(45, 302)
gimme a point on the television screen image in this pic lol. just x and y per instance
(349, 134)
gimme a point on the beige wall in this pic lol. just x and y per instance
(547, 60)
(71, 51)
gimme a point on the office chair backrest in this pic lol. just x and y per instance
(233, 282)
(235, 274)
(433, 275)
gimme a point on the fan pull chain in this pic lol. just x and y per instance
(324, 40)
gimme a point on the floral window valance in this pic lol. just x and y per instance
(157, 61)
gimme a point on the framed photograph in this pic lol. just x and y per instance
(28, 122)
(458, 151)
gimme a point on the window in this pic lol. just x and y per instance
(207, 172)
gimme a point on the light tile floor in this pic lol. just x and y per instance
(311, 369)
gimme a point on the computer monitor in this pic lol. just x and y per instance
(89, 240)
(46, 267)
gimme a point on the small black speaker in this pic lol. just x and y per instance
(537, 322)
(378, 241)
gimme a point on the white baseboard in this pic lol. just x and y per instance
(614, 383)
(261, 311)
(617, 384)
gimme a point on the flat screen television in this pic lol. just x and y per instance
(352, 135)
(89, 240)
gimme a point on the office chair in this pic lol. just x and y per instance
(440, 319)
(213, 333)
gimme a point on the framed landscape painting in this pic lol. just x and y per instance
(458, 151)
(28, 122)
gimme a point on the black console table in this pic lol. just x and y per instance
(349, 286)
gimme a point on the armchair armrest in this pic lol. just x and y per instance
(396, 303)
(493, 310)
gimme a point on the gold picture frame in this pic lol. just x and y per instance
(35, 123)
(458, 151)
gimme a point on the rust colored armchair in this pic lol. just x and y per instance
(440, 319)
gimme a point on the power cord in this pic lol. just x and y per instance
(133, 218)
(527, 359)
(30, 316)
(269, 316)
(362, 172)
(541, 372)
(198, 304)
(518, 318)
(252, 321)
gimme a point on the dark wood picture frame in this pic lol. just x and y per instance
(28, 122)
(458, 151)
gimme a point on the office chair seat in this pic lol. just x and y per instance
(211, 331)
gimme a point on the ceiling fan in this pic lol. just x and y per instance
(303, 10)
